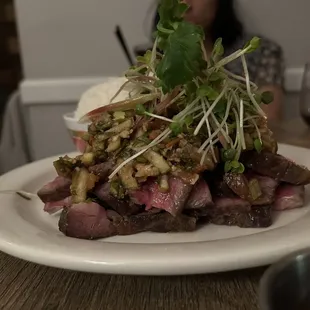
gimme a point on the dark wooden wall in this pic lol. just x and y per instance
(10, 65)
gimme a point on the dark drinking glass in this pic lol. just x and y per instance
(305, 95)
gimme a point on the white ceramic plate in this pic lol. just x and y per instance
(29, 233)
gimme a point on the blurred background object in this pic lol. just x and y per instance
(305, 95)
(13, 143)
(10, 67)
(69, 46)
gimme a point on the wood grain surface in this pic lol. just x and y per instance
(26, 285)
(29, 286)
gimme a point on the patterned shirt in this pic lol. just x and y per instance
(266, 65)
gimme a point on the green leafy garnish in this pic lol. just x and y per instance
(258, 145)
(140, 109)
(240, 169)
(228, 155)
(234, 167)
(227, 166)
(234, 164)
(195, 93)
(216, 76)
(170, 12)
(258, 97)
(218, 49)
(189, 120)
(176, 128)
(220, 108)
(190, 88)
(252, 45)
(183, 59)
(146, 59)
(267, 97)
(207, 91)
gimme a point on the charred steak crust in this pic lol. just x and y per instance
(276, 167)
(161, 222)
(257, 217)
(91, 221)
(86, 221)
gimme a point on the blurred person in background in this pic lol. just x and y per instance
(266, 64)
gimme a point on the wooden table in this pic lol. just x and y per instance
(26, 286)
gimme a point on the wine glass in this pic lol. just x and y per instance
(304, 104)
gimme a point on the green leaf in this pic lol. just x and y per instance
(258, 98)
(252, 45)
(171, 12)
(140, 109)
(227, 166)
(234, 167)
(218, 49)
(207, 91)
(228, 155)
(146, 59)
(267, 97)
(190, 88)
(240, 169)
(220, 108)
(216, 76)
(258, 145)
(188, 120)
(183, 58)
(180, 10)
(176, 128)
(166, 10)
(235, 164)
(164, 30)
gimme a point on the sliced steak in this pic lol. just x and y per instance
(160, 222)
(53, 207)
(255, 218)
(102, 170)
(201, 213)
(277, 167)
(239, 184)
(91, 221)
(268, 188)
(222, 206)
(56, 190)
(219, 188)
(200, 196)
(172, 201)
(86, 221)
(122, 207)
(228, 205)
(289, 197)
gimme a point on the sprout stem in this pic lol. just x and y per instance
(210, 110)
(247, 77)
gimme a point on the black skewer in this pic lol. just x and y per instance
(122, 41)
